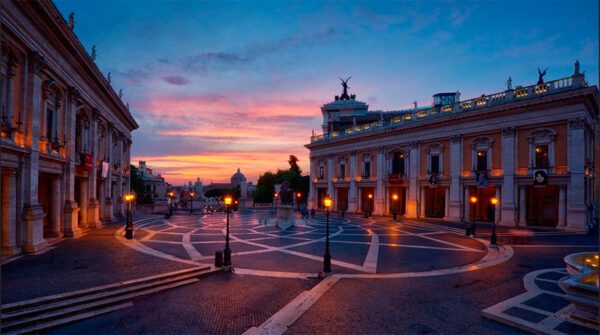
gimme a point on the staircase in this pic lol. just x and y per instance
(35, 315)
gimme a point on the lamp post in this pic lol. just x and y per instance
(298, 195)
(129, 225)
(493, 237)
(473, 201)
(192, 202)
(368, 212)
(327, 201)
(171, 194)
(227, 252)
(395, 199)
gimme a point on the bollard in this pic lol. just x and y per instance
(219, 259)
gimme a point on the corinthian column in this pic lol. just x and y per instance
(71, 221)
(9, 213)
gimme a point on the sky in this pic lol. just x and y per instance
(217, 86)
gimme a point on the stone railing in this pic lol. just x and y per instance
(484, 101)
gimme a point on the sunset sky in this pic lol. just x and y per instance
(219, 85)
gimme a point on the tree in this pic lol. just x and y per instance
(293, 161)
(265, 187)
(137, 185)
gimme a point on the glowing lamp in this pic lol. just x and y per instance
(473, 200)
(275, 195)
(370, 196)
(192, 194)
(494, 201)
(129, 197)
(538, 150)
(171, 194)
(228, 200)
(298, 194)
(327, 201)
(395, 197)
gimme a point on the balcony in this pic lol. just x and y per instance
(395, 176)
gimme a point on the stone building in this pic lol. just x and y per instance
(155, 186)
(533, 148)
(66, 134)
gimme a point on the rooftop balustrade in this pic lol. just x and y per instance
(484, 101)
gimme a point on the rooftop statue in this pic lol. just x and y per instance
(345, 95)
(93, 52)
(509, 84)
(576, 68)
(72, 20)
(541, 75)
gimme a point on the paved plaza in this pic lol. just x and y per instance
(408, 277)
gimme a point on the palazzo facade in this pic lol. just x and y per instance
(533, 148)
(65, 133)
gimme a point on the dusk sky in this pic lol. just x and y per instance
(219, 85)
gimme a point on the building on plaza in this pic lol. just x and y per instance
(534, 148)
(66, 134)
(154, 185)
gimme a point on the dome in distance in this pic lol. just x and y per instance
(237, 179)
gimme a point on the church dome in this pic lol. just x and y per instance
(237, 179)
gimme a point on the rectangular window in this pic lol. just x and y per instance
(398, 164)
(321, 172)
(435, 164)
(541, 156)
(342, 171)
(50, 124)
(482, 160)
(367, 170)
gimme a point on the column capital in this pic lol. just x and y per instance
(576, 123)
(509, 131)
(456, 139)
(414, 145)
(74, 93)
(37, 61)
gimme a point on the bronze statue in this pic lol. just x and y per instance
(541, 75)
(576, 68)
(509, 84)
(286, 193)
(345, 95)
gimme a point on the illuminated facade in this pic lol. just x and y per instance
(66, 134)
(534, 148)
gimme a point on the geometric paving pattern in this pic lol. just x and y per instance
(360, 247)
(542, 309)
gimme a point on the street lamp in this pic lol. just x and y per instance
(192, 202)
(494, 238)
(327, 201)
(473, 201)
(129, 225)
(368, 211)
(227, 253)
(171, 194)
(395, 199)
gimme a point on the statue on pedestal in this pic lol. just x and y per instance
(541, 75)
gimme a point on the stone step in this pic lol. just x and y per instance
(34, 329)
(100, 295)
(20, 305)
(66, 315)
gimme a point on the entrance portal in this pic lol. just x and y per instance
(435, 202)
(400, 204)
(542, 205)
(342, 198)
(367, 199)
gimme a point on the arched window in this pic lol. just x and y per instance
(399, 163)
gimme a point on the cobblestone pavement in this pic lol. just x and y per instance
(421, 299)
(97, 258)
(358, 245)
(223, 303)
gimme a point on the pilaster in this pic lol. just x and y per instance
(413, 160)
(453, 194)
(508, 210)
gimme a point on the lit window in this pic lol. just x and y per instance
(482, 160)
(398, 163)
(541, 156)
